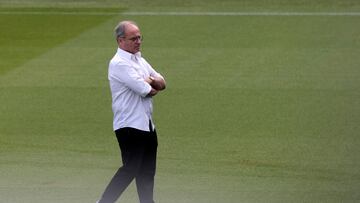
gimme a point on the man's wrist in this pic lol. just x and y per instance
(152, 79)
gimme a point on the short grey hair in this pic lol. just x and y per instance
(120, 28)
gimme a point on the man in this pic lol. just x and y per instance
(133, 83)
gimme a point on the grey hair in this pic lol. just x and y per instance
(120, 28)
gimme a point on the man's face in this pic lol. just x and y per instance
(132, 40)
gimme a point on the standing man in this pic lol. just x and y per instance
(133, 83)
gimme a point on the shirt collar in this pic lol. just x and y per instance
(128, 55)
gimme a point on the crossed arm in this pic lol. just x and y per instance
(157, 84)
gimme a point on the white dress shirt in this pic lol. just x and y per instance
(130, 104)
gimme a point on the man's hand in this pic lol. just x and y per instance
(156, 83)
(153, 92)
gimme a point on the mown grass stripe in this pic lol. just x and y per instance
(58, 13)
(244, 13)
(150, 13)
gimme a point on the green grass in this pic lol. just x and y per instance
(24, 36)
(257, 109)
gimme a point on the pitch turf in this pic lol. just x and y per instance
(257, 109)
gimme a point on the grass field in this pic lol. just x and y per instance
(259, 108)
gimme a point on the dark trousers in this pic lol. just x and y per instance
(138, 152)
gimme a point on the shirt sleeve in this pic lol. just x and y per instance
(127, 75)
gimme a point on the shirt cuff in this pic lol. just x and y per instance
(147, 90)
